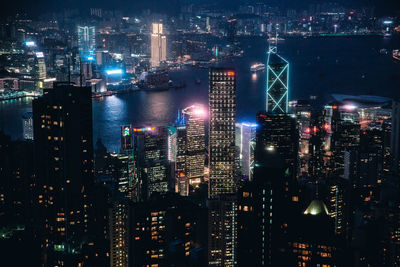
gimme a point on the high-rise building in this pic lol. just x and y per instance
(87, 42)
(119, 233)
(222, 204)
(277, 82)
(279, 132)
(222, 95)
(152, 168)
(64, 159)
(345, 129)
(158, 45)
(195, 143)
(167, 230)
(27, 126)
(245, 142)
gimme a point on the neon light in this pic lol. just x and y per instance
(231, 73)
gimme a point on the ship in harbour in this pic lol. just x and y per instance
(257, 67)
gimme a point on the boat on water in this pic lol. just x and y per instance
(275, 40)
(396, 54)
(257, 67)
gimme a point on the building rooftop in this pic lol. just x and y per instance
(316, 207)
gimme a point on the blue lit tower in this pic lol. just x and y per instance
(86, 42)
(277, 82)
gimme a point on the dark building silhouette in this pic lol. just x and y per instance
(167, 230)
(64, 163)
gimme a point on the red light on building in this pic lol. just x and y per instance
(308, 130)
(364, 132)
(315, 129)
(326, 126)
(231, 73)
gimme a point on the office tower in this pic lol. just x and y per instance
(119, 232)
(222, 205)
(302, 111)
(345, 136)
(64, 159)
(245, 142)
(371, 157)
(279, 132)
(222, 95)
(195, 144)
(265, 215)
(152, 168)
(222, 231)
(277, 82)
(316, 135)
(40, 66)
(395, 137)
(27, 126)
(158, 45)
(87, 42)
(168, 230)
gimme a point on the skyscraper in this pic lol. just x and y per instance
(277, 82)
(87, 42)
(150, 153)
(64, 160)
(222, 204)
(195, 143)
(279, 132)
(222, 95)
(158, 45)
(245, 142)
(395, 137)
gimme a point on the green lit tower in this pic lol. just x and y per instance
(277, 81)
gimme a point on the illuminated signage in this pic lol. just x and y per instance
(30, 43)
(126, 131)
(143, 129)
(39, 55)
(114, 72)
(231, 73)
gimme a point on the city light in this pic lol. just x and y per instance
(114, 71)
(349, 107)
(30, 43)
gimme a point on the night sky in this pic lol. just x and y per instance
(383, 7)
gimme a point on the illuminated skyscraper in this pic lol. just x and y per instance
(151, 158)
(158, 45)
(222, 95)
(277, 82)
(245, 141)
(87, 42)
(195, 143)
(222, 204)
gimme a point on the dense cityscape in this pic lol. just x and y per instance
(313, 181)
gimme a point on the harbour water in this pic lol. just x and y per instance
(319, 66)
